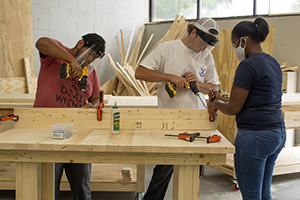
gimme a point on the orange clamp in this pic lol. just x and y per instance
(100, 105)
(9, 116)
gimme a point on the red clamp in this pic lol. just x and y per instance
(9, 116)
(212, 117)
(100, 105)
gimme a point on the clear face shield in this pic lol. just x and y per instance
(90, 57)
(208, 40)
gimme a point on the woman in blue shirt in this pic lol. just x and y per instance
(255, 99)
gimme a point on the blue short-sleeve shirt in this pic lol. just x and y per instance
(261, 75)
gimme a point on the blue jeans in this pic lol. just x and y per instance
(160, 181)
(79, 177)
(254, 160)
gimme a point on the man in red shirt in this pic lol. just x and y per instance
(52, 91)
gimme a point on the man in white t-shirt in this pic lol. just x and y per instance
(168, 62)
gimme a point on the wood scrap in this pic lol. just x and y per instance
(30, 89)
(126, 174)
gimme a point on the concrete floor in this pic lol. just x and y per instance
(214, 185)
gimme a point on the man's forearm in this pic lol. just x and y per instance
(149, 75)
(204, 87)
(48, 47)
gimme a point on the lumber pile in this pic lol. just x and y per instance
(126, 174)
(286, 67)
(124, 83)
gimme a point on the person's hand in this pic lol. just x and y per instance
(215, 94)
(212, 109)
(191, 77)
(88, 105)
(179, 81)
(76, 69)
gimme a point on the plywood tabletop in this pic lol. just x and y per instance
(87, 140)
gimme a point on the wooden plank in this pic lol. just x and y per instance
(183, 187)
(140, 176)
(167, 119)
(6, 125)
(226, 169)
(292, 119)
(44, 117)
(28, 172)
(29, 85)
(15, 85)
(290, 156)
(16, 100)
(133, 141)
(16, 18)
(47, 181)
(7, 176)
(112, 158)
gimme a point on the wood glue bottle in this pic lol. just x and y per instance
(115, 119)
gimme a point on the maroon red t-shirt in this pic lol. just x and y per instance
(52, 91)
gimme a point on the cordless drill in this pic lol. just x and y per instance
(171, 90)
(65, 69)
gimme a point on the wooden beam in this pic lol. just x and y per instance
(165, 119)
(29, 85)
(183, 187)
(27, 171)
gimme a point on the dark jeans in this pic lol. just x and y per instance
(79, 177)
(160, 181)
(254, 159)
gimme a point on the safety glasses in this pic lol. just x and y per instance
(234, 45)
(209, 39)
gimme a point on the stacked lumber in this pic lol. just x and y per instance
(286, 67)
(124, 82)
(126, 174)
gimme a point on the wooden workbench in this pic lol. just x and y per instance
(105, 177)
(141, 141)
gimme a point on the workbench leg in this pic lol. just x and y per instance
(47, 181)
(186, 182)
(140, 181)
(140, 178)
(26, 181)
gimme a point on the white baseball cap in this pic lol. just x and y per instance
(208, 26)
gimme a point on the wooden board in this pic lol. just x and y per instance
(226, 64)
(16, 85)
(291, 115)
(16, 37)
(165, 119)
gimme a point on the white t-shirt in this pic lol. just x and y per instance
(175, 58)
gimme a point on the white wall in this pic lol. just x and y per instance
(68, 20)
